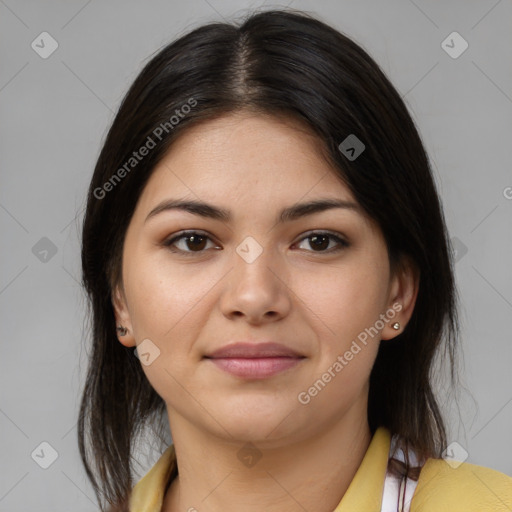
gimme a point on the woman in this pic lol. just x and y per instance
(268, 266)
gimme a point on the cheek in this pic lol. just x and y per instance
(166, 298)
(344, 300)
(343, 305)
(167, 306)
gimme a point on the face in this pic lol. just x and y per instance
(315, 281)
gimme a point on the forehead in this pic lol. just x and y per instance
(245, 158)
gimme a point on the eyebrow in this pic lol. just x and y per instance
(288, 214)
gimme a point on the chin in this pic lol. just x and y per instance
(261, 423)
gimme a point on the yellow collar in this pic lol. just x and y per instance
(363, 493)
(365, 490)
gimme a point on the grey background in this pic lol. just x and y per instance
(56, 111)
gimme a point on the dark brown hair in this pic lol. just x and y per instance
(280, 63)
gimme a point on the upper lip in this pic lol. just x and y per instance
(253, 351)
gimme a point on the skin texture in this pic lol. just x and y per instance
(313, 300)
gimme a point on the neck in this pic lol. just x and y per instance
(309, 474)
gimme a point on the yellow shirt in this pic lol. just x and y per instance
(440, 488)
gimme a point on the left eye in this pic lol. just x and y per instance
(195, 242)
(320, 241)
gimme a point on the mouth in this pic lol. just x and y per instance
(255, 361)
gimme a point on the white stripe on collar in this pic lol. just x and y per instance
(393, 485)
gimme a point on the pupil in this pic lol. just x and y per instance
(194, 239)
(316, 238)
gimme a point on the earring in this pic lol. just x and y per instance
(122, 330)
(396, 326)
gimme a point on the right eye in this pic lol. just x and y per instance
(193, 240)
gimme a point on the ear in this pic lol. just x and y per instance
(403, 291)
(122, 316)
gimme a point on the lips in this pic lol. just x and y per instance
(255, 361)
(254, 351)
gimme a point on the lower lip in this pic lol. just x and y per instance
(256, 368)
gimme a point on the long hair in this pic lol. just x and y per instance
(280, 63)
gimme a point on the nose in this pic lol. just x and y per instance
(256, 289)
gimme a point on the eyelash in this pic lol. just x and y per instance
(169, 242)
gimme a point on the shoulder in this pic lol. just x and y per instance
(461, 487)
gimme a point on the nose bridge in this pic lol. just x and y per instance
(253, 260)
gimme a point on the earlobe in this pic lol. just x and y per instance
(403, 294)
(124, 329)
